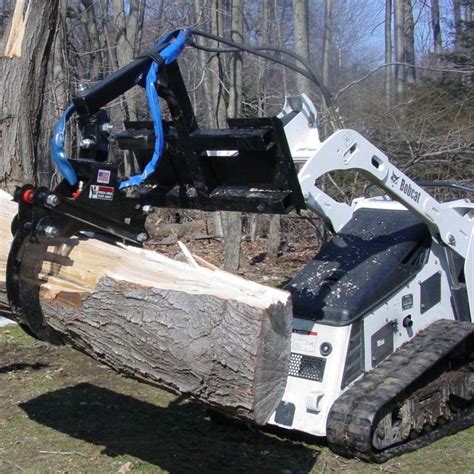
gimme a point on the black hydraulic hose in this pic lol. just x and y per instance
(256, 50)
(431, 184)
(445, 184)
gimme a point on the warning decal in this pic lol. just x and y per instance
(301, 342)
(105, 193)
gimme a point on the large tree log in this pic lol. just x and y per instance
(198, 331)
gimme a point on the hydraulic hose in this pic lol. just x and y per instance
(168, 55)
(58, 153)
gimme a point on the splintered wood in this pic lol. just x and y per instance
(196, 330)
(17, 30)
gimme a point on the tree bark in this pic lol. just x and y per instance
(274, 236)
(436, 27)
(96, 57)
(234, 108)
(232, 221)
(199, 331)
(128, 26)
(207, 84)
(400, 71)
(232, 231)
(409, 40)
(217, 67)
(300, 21)
(327, 40)
(388, 53)
(22, 87)
(457, 23)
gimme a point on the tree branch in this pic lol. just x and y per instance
(373, 71)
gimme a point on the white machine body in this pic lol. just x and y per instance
(323, 353)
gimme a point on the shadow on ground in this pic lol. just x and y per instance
(179, 438)
(5, 369)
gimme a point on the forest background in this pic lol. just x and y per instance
(400, 72)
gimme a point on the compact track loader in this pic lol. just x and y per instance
(383, 331)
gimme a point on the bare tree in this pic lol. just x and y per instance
(216, 12)
(234, 108)
(200, 20)
(232, 221)
(300, 21)
(436, 27)
(388, 52)
(409, 42)
(457, 23)
(22, 87)
(400, 73)
(128, 26)
(96, 54)
(327, 40)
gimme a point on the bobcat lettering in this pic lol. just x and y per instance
(412, 193)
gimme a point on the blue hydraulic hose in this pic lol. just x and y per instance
(58, 153)
(154, 104)
(169, 54)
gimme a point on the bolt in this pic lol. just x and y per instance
(50, 231)
(142, 237)
(81, 89)
(451, 239)
(52, 200)
(107, 127)
(87, 143)
(147, 209)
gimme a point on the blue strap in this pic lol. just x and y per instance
(169, 54)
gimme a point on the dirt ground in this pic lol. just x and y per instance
(62, 412)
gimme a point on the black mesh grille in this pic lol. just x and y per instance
(307, 367)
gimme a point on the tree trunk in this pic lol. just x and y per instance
(232, 221)
(409, 40)
(457, 23)
(198, 331)
(232, 231)
(22, 87)
(400, 71)
(237, 35)
(300, 22)
(207, 84)
(128, 26)
(327, 40)
(436, 28)
(96, 57)
(217, 67)
(388, 52)
(274, 236)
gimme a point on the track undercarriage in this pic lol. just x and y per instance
(422, 392)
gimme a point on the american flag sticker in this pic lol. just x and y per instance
(103, 176)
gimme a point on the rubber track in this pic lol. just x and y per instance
(351, 418)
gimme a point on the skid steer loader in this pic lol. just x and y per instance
(381, 351)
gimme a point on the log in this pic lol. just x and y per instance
(200, 332)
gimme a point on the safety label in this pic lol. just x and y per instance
(105, 193)
(301, 342)
(407, 301)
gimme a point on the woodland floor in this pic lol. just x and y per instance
(61, 411)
